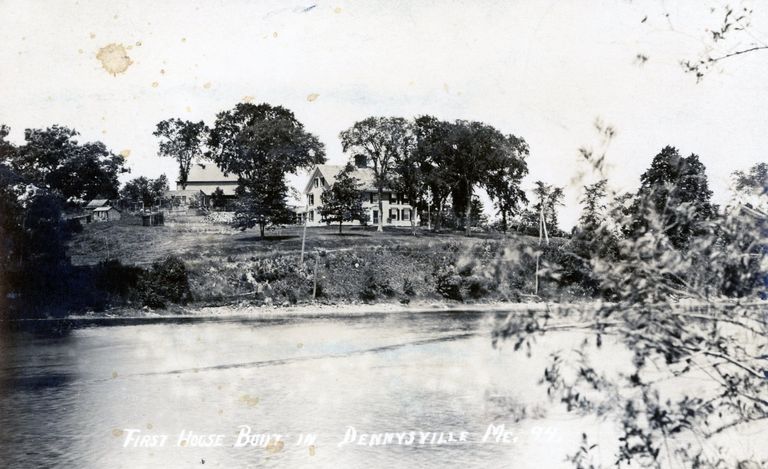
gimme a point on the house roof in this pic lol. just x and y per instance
(97, 203)
(206, 177)
(104, 209)
(209, 172)
(330, 171)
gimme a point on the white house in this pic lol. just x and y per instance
(397, 210)
(206, 178)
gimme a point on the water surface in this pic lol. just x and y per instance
(72, 390)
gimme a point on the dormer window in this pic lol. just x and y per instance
(317, 182)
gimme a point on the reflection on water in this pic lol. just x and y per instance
(71, 398)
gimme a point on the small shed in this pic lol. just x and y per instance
(152, 219)
(106, 213)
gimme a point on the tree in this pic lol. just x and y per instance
(148, 192)
(548, 198)
(52, 158)
(383, 141)
(676, 189)
(218, 199)
(707, 338)
(477, 217)
(431, 135)
(261, 144)
(468, 153)
(503, 184)
(7, 149)
(183, 141)
(594, 206)
(752, 186)
(344, 200)
(33, 236)
(410, 175)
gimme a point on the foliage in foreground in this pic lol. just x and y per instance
(684, 304)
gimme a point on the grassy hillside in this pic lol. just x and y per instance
(226, 265)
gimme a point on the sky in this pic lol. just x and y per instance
(542, 70)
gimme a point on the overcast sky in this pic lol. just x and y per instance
(542, 70)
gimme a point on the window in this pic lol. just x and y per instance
(312, 215)
(317, 182)
(311, 198)
(393, 214)
(406, 214)
(371, 194)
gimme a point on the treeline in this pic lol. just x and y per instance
(644, 253)
(39, 180)
(436, 165)
(429, 161)
(669, 235)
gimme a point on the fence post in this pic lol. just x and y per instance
(314, 278)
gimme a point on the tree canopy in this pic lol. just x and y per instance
(463, 155)
(674, 196)
(148, 192)
(52, 158)
(503, 184)
(383, 141)
(183, 141)
(261, 144)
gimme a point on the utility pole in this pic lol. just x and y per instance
(314, 277)
(542, 230)
(304, 236)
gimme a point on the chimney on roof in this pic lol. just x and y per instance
(361, 161)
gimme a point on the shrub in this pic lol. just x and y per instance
(408, 288)
(448, 283)
(374, 286)
(166, 281)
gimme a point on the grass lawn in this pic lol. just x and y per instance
(191, 238)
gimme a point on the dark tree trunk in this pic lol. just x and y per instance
(340, 222)
(503, 217)
(261, 229)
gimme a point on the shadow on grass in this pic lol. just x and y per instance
(349, 235)
(266, 239)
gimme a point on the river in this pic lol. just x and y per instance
(127, 393)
